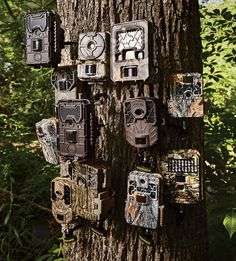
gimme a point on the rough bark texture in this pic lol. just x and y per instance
(178, 50)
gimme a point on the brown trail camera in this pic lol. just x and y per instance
(140, 122)
(144, 197)
(64, 199)
(182, 176)
(43, 39)
(74, 132)
(93, 56)
(64, 81)
(95, 200)
(130, 57)
(186, 99)
(46, 130)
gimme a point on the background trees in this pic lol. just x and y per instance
(26, 96)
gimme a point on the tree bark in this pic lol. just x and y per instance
(178, 50)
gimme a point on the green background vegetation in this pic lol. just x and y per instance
(27, 230)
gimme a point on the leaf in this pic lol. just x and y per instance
(17, 236)
(44, 257)
(230, 222)
(6, 219)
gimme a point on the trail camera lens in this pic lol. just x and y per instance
(129, 51)
(44, 39)
(143, 199)
(90, 69)
(186, 98)
(182, 175)
(93, 56)
(140, 122)
(37, 45)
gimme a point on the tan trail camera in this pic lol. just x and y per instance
(95, 200)
(140, 122)
(46, 130)
(64, 199)
(86, 194)
(144, 197)
(182, 176)
(186, 99)
(130, 52)
(74, 133)
(64, 80)
(43, 39)
(93, 56)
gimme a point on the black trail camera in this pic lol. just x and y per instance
(74, 127)
(140, 122)
(43, 39)
(130, 56)
(182, 176)
(64, 201)
(93, 56)
(144, 197)
(46, 130)
(64, 81)
(186, 99)
(95, 201)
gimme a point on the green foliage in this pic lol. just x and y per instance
(230, 222)
(219, 57)
(26, 96)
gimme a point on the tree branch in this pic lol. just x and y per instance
(9, 9)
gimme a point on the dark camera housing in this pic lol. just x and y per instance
(74, 130)
(44, 39)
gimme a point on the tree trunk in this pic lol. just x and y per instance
(178, 50)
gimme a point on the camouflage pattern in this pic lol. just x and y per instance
(73, 127)
(140, 122)
(143, 199)
(93, 56)
(64, 80)
(46, 130)
(83, 190)
(64, 199)
(43, 39)
(186, 99)
(95, 201)
(129, 58)
(65, 168)
(182, 176)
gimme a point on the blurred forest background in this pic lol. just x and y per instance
(27, 228)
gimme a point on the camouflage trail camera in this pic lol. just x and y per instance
(74, 135)
(64, 199)
(64, 80)
(43, 38)
(130, 57)
(95, 201)
(140, 122)
(144, 197)
(186, 99)
(46, 130)
(93, 56)
(182, 176)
